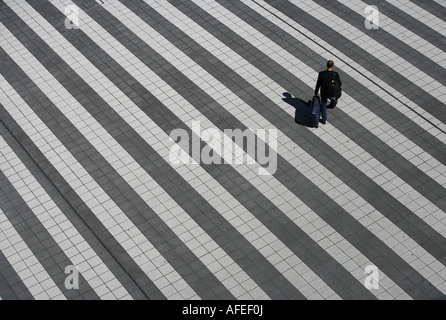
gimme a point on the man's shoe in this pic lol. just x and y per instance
(323, 122)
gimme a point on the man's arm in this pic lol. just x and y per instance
(338, 79)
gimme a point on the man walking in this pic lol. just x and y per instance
(326, 81)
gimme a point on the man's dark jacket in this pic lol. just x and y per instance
(323, 80)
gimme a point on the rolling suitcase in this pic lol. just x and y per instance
(315, 111)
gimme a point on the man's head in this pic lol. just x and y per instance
(330, 65)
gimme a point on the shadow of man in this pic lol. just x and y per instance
(303, 112)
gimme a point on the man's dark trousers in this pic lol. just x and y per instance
(333, 103)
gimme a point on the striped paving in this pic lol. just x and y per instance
(28, 268)
(59, 227)
(87, 178)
